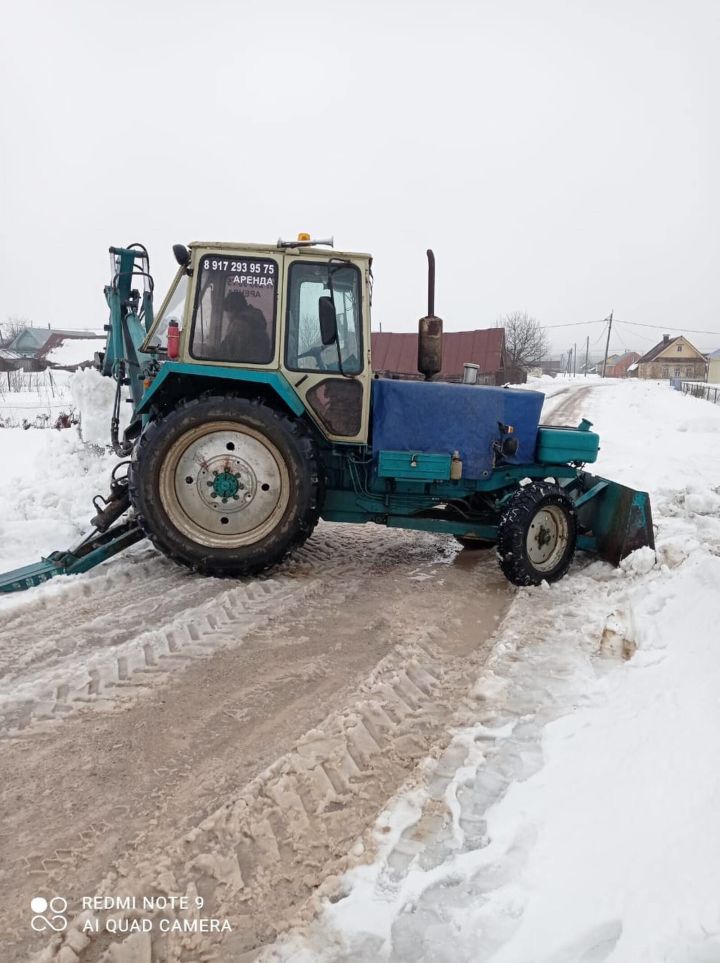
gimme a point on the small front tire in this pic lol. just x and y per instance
(537, 535)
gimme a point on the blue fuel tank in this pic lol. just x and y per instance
(432, 416)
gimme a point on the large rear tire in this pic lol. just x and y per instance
(226, 485)
(537, 535)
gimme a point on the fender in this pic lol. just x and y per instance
(168, 377)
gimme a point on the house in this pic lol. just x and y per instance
(38, 342)
(553, 366)
(673, 358)
(395, 354)
(714, 367)
(618, 364)
(10, 360)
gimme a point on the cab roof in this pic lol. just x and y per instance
(310, 250)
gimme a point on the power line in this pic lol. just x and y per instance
(635, 324)
(643, 337)
(664, 327)
(600, 335)
(575, 324)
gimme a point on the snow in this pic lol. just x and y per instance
(572, 816)
(93, 396)
(75, 351)
(50, 476)
(38, 397)
(578, 798)
(47, 485)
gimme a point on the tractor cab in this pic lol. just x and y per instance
(296, 310)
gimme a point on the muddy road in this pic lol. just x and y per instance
(229, 742)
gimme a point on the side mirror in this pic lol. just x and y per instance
(328, 320)
(182, 255)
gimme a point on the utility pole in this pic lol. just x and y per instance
(607, 343)
(575, 361)
(587, 352)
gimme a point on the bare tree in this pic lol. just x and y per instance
(11, 328)
(526, 343)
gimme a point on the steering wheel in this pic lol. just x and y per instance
(315, 353)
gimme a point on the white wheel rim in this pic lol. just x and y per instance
(224, 485)
(547, 538)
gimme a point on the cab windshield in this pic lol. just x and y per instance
(234, 309)
(172, 309)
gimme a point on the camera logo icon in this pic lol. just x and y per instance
(48, 915)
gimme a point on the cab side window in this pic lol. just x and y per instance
(304, 350)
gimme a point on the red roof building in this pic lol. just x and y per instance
(617, 366)
(396, 354)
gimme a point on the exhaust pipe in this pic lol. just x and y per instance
(430, 331)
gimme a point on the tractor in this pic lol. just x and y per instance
(256, 412)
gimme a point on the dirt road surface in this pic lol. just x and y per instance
(228, 742)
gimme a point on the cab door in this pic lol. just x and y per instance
(333, 381)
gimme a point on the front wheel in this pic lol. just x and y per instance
(537, 535)
(226, 485)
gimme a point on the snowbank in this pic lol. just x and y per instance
(50, 477)
(46, 488)
(93, 396)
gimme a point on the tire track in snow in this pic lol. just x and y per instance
(88, 640)
(261, 855)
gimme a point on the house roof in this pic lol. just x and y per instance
(714, 355)
(43, 333)
(37, 342)
(655, 351)
(71, 352)
(618, 359)
(663, 345)
(398, 352)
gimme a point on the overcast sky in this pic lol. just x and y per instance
(561, 158)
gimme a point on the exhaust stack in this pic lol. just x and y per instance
(430, 330)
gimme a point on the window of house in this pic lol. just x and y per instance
(679, 347)
(665, 371)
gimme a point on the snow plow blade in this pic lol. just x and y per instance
(613, 520)
(93, 550)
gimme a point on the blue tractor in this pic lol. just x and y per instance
(255, 412)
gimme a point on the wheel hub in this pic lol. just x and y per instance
(227, 483)
(546, 538)
(224, 485)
